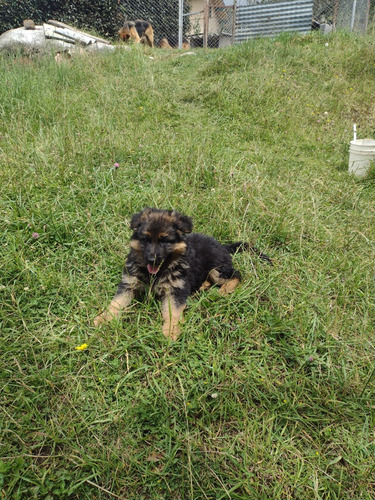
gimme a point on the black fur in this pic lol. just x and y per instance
(141, 26)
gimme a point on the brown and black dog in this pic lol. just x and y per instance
(139, 31)
(174, 262)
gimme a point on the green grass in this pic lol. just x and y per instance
(269, 393)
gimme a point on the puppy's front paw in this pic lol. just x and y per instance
(102, 318)
(171, 332)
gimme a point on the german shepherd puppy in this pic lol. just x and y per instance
(139, 31)
(175, 263)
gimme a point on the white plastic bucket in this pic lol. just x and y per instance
(361, 154)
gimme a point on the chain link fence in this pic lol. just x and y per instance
(218, 23)
(352, 15)
(196, 23)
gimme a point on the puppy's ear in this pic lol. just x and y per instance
(138, 218)
(183, 222)
(136, 221)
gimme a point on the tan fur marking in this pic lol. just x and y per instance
(127, 32)
(134, 34)
(118, 303)
(158, 217)
(229, 286)
(205, 286)
(215, 277)
(165, 286)
(135, 245)
(149, 36)
(177, 282)
(172, 315)
(164, 44)
(130, 280)
(179, 248)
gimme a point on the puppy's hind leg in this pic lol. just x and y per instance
(228, 278)
(229, 286)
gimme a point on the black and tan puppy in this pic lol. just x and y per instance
(175, 263)
(139, 31)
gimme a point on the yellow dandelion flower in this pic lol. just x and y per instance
(81, 347)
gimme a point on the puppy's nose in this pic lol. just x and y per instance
(152, 257)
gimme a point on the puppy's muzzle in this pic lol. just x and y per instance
(153, 255)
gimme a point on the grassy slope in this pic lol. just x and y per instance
(268, 394)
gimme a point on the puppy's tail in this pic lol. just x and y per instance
(241, 246)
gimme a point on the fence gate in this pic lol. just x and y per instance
(210, 23)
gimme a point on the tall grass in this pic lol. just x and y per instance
(268, 393)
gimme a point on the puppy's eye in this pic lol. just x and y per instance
(145, 238)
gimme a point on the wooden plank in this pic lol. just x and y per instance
(50, 32)
(58, 24)
(68, 35)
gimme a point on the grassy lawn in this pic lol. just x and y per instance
(268, 393)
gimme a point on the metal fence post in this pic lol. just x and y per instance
(205, 22)
(353, 15)
(234, 22)
(180, 22)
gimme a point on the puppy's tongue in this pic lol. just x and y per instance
(152, 269)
